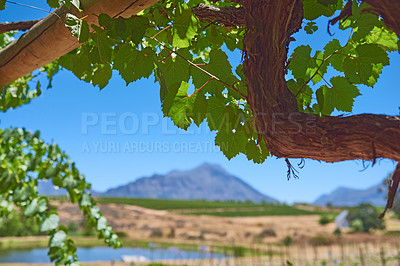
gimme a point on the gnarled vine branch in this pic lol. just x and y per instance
(229, 16)
(20, 25)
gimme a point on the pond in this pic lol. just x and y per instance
(39, 255)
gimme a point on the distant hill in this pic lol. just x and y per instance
(208, 181)
(343, 196)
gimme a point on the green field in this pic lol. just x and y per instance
(203, 207)
(274, 211)
(215, 208)
(165, 204)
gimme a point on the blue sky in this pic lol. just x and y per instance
(131, 139)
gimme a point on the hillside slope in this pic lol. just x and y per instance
(343, 196)
(210, 182)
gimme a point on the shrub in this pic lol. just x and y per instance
(171, 233)
(267, 233)
(357, 225)
(72, 227)
(16, 224)
(121, 234)
(287, 241)
(363, 218)
(321, 240)
(156, 232)
(325, 219)
(337, 232)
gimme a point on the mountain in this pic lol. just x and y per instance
(208, 181)
(343, 196)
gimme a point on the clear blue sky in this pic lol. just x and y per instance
(149, 143)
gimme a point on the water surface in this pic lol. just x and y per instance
(39, 255)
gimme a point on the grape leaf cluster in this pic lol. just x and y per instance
(360, 61)
(188, 58)
(25, 159)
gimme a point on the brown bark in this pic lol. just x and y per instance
(290, 134)
(20, 25)
(229, 16)
(393, 185)
(49, 39)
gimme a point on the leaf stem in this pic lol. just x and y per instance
(327, 83)
(161, 31)
(201, 87)
(354, 57)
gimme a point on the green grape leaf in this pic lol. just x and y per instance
(185, 23)
(315, 8)
(200, 78)
(101, 224)
(58, 239)
(176, 69)
(137, 26)
(200, 108)
(358, 68)
(168, 97)
(102, 75)
(386, 39)
(37, 205)
(220, 114)
(103, 45)
(22, 193)
(231, 143)
(219, 65)
(181, 110)
(311, 27)
(105, 21)
(340, 96)
(50, 223)
(301, 63)
(376, 71)
(316, 73)
(84, 32)
(185, 26)
(2, 4)
(133, 64)
(364, 25)
(331, 50)
(257, 153)
(53, 3)
(86, 200)
(302, 91)
(327, 2)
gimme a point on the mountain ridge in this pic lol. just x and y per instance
(207, 181)
(348, 197)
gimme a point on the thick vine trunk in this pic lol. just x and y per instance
(290, 134)
(49, 39)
